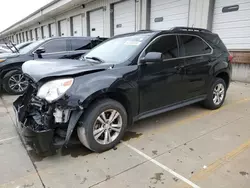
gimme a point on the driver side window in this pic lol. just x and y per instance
(55, 46)
(167, 45)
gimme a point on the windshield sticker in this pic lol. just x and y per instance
(132, 43)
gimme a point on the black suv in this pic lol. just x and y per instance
(127, 78)
(11, 78)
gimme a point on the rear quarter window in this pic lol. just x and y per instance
(80, 44)
(193, 45)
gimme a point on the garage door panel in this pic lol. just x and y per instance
(77, 25)
(234, 16)
(169, 7)
(170, 19)
(165, 14)
(96, 23)
(174, 12)
(124, 17)
(235, 32)
(63, 27)
(233, 27)
(237, 40)
(228, 25)
(222, 3)
(170, 3)
(170, 24)
(237, 46)
(245, 6)
(53, 29)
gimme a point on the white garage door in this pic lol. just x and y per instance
(45, 31)
(34, 34)
(39, 34)
(96, 23)
(62, 28)
(124, 17)
(77, 25)
(232, 22)
(165, 14)
(52, 29)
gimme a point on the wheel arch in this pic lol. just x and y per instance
(225, 76)
(115, 95)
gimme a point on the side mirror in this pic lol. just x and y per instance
(40, 50)
(152, 57)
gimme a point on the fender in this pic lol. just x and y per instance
(86, 88)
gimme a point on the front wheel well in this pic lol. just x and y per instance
(119, 98)
(225, 77)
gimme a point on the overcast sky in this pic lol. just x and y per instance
(14, 10)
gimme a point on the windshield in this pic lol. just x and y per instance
(30, 47)
(118, 50)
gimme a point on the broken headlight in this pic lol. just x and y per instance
(54, 89)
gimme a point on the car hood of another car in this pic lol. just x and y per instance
(39, 69)
(8, 55)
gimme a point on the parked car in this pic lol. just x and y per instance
(15, 49)
(11, 77)
(125, 79)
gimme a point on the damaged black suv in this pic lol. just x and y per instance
(127, 78)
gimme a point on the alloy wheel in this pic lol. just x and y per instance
(18, 83)
(218, 94)
(107, 126)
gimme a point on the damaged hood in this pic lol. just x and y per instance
(39, 69)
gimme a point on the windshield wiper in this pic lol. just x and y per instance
(96, 59)
(8, 46)
(17, 51)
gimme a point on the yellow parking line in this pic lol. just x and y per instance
(204, 173)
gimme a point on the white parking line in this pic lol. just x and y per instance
(162, 166)
(7, 139)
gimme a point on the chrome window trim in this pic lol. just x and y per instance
(176, 34)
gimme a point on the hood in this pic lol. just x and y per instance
(39, 69)
(8, 55)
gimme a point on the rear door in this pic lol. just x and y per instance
(55, 49)
(79, 46)
(197, 55)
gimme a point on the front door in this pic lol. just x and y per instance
(197, 54)
(160, 84)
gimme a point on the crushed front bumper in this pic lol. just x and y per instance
(37, 124)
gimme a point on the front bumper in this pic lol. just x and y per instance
(36, 124)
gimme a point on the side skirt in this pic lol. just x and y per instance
(169, 107)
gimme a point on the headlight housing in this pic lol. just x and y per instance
(2, 60)
(55, 89)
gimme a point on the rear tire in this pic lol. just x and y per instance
(216, 94)
(14, 82)
(96, 131)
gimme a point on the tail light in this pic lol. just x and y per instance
(230, 58)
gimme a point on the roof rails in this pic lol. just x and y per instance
(190, 29)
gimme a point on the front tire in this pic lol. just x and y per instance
(15, 83)
(102, 125)
(216, 95)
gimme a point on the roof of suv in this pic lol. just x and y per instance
(189, 30)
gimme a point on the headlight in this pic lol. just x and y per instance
(55, 89)
(2, 60)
